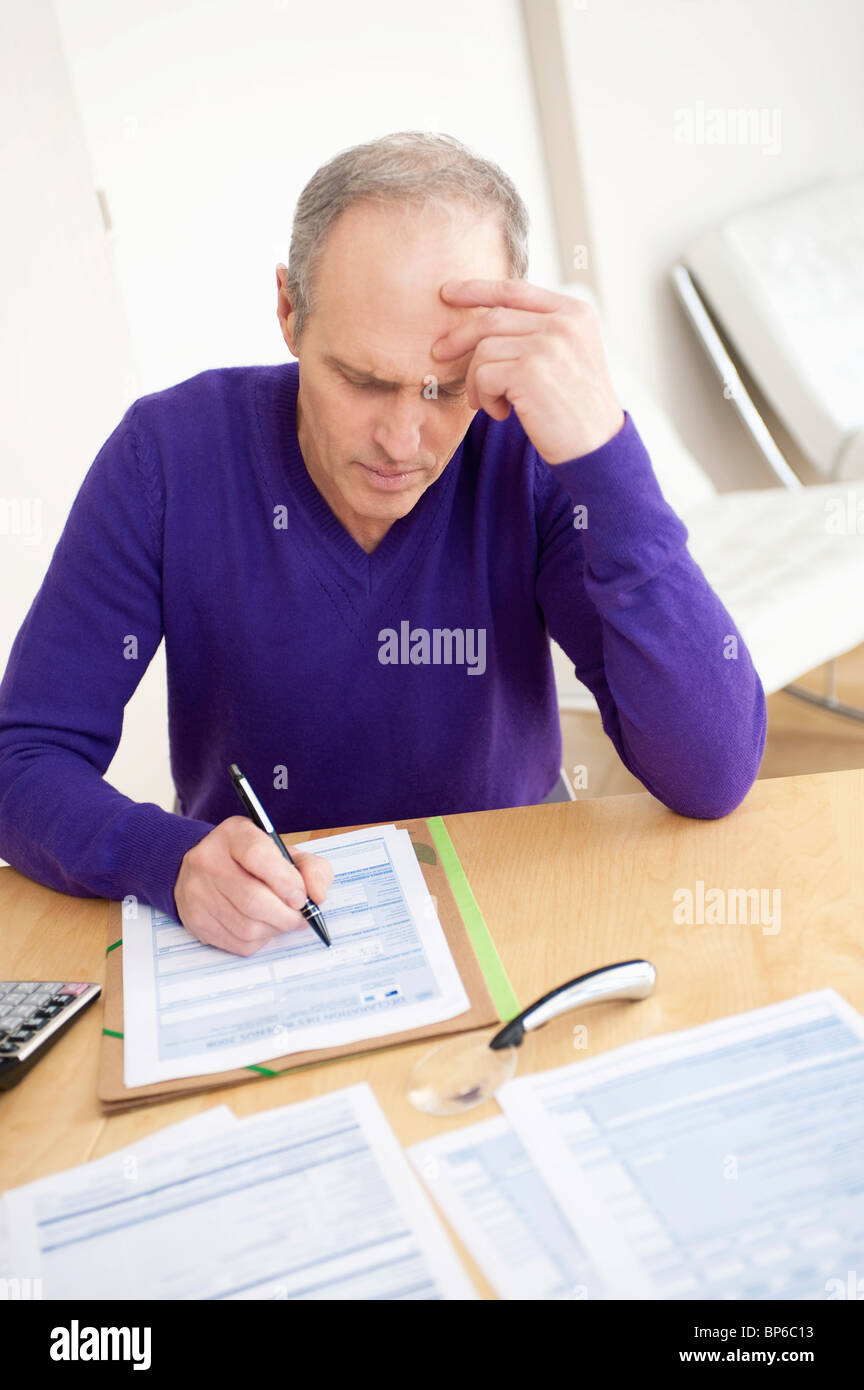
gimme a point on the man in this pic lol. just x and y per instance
(356, 560)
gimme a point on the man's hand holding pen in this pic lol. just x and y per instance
(236, 891)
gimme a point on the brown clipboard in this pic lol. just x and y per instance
(115, 1096)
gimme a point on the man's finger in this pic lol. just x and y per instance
(239, 926)
(256, 901)
(493, 353)
(317, 873)
(499, 322)
(254, 851)
(512, 294)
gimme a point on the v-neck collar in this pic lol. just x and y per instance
(276, 411)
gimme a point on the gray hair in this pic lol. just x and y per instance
(407, 167)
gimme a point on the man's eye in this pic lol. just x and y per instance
(379, 386)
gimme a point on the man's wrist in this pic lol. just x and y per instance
(589, 440)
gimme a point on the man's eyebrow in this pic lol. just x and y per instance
(341, 366)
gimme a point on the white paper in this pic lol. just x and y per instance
(19, 1237)
(310, 1201)
(495, 1199)
(192, 1009)
(728, 1156)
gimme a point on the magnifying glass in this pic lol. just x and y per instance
(467, 1069)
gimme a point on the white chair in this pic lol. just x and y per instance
(784, 281)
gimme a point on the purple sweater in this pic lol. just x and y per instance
(198, 520)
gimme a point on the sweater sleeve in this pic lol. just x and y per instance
(677, 691)
(85, 643)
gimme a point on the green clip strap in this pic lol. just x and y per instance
(500, 988)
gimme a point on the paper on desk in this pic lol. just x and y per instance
(19, 1235)
(500, 1207)
(191, 1009)
(310, 1201)
(7, 1254)
(728, 1156)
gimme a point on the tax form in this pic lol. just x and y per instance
(495, 1199)
(309, 1201)
(727, 1157)
(191, 1009)
(19, 1233)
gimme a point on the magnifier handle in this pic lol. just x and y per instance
(629, 979)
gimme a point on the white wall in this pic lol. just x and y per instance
(631, 65)
(204, 120)
(67, 364)
(66, 358)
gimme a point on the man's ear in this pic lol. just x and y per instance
(284, 310)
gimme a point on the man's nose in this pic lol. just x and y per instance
(399, 429)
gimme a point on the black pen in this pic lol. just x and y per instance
(311, 911)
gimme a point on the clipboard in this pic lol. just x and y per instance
(489, 991)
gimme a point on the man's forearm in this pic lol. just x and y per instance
(675, 684)
(63, 825)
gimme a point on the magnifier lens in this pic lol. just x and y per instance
(460, 1073)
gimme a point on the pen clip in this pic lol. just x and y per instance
(250, 800)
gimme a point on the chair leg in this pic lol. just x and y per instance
(562, 790)
(828, 701)
(568, 785)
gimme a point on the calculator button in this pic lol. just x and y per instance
(6, 1048)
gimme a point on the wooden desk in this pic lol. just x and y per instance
(563, 888)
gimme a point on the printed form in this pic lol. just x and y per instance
(727, 1156)
(485, 1183)
(19, 1233)
(314, 1200)
(191, 1009)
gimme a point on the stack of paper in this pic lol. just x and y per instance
(191, 1010)
(311, 1201)
(720, 1162)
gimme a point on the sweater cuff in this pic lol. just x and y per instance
(153, 842)
(624, 517)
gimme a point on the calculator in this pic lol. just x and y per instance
(33, 1015)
